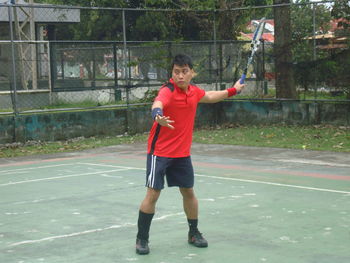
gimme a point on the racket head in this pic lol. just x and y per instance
(254, 45)
(258, 34)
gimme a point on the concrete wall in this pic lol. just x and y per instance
(65, 125)
(288, 112)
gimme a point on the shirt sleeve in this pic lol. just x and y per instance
(164, 96)
(200, 93)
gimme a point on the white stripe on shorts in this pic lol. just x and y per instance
(151, 176)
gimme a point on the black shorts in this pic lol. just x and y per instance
(178, 172)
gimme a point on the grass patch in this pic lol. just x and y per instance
(76, 144)
(321, 138)
(310, 95)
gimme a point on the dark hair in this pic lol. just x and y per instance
(182, 60)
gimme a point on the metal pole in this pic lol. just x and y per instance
(215, 53)
(49, 70)
(126, 73)
(125, 58)
(263, 68)
(125, 49)
(115, 66)
(33, 47)
(170, 55)
(93, 83)
(53, 66)
(14, 85)
(314, 48)
(62, 64)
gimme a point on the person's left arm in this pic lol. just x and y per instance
(219, 95)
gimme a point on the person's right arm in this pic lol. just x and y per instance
(162, 120)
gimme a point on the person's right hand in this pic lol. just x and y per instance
(165, 121)
(239, 87)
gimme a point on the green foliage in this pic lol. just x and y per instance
(150, 95)
(182, 4)
(189, 25)
(341, 9)
(158, 31)
(330, 65)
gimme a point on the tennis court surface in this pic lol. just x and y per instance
(256, 205)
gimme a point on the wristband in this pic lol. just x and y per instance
(155, 112)
(232, 91)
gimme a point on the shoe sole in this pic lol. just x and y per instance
(142, 252)
(193, 244)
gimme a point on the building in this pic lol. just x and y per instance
(29, 25)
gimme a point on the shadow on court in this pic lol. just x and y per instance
(256, 205)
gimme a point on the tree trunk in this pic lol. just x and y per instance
(285, 87)
(227, 25)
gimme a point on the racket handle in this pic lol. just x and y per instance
(241, 81)
(242, 78)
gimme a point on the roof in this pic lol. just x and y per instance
(332, 46)
(269, 37)
(336, 24)
(269, 30)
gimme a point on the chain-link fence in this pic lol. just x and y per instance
(68, 57)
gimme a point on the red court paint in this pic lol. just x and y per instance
(294, 173)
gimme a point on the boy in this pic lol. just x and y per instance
(169, 144)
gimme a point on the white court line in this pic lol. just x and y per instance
(61, 177)
(33, 168)
(113, 166)
(208, 176)
(89, 231)
(244, 180)
(314, 162)
(276, 184)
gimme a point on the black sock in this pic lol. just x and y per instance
(144, 224)
(192, 223)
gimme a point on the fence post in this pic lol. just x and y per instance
(93, 82)
(314, 48)
(117, 95)
(62, 64)
(13, 58)
(221, 66)
(53, 64)
(263, 68)
(210, 67)
(215, 51)
(170, 55)
(13, 87)
(126, 79)
(125, 71)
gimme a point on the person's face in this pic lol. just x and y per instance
(182, 76)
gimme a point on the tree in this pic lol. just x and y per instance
(341, 11)
(94, 24)
(304, 61)
(285, 87)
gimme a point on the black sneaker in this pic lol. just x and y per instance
(195, 238)
(142, 246)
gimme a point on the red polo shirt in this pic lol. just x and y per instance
(181, 107)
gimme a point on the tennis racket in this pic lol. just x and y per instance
(254, 46)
